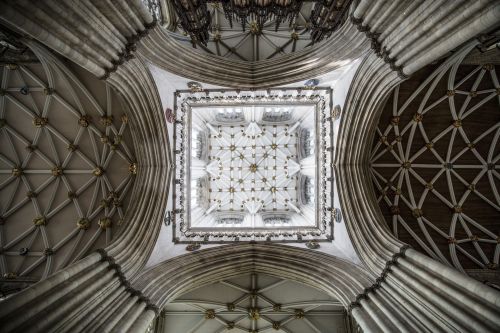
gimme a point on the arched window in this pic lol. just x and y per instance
(276, 114)
(306, 142)
(276, 220)
(198, 144)
(229, 219)
(230, 115)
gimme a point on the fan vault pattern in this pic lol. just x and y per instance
(255, 304)
(66, 167)
(435, 163)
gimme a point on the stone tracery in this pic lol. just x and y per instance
(252, 173)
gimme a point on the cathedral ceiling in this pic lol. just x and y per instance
(257, 174)
(172, 240)
(252, 43)
(66, 166)
(435, 162)
(254, 303)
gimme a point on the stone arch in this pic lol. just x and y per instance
(332, 275)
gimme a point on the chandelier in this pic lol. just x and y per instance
(194, 17)
(261, 11)
(326, 17)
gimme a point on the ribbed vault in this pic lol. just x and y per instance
(67, 165)
(164, 51)
(435, 163)
(113, 39)
(252, 44)
(253, 303)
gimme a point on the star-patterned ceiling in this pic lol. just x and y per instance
(252, 169)
(66, 167)
(252, 164)
(256, 304)
(435, 163)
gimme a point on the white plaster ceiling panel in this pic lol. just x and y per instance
(66, 166)
(435, 163)
(251, 170)
(254, 303)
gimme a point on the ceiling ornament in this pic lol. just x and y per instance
(326, 17)
(195, 86)
(311, 84)
(169, 115)
(193, 247)
(258, 12)
(253, 308)
(168, 218)
(253, 30)
(64, 157)
(194, 18)
(246, 171)
(336, 111)
(312, 245)
(435, 164)
(337, 215)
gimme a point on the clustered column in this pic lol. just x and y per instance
(91, 295)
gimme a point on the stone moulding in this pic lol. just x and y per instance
(379, 280)
(330, 274)
(319, 98)
(105, 257)
(161, 48)
(135, 83)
